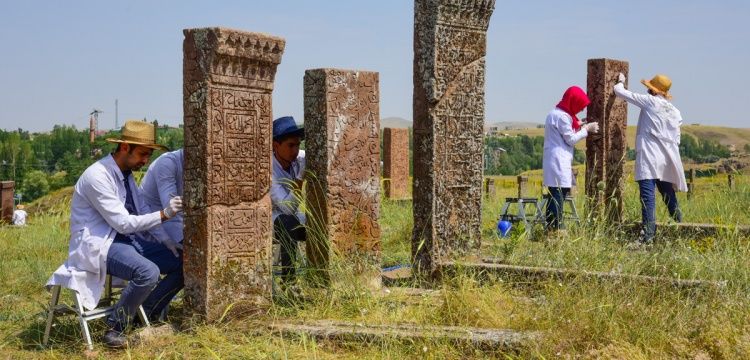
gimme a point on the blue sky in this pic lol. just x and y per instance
(60, 59)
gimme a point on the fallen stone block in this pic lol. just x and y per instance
(533, 273)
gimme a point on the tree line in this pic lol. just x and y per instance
(46, 161)
(522, 153)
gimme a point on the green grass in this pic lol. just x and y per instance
(578, 318)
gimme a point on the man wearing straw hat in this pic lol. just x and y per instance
(108, 234)
(657, 150)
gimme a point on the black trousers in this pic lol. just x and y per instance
(287, 230)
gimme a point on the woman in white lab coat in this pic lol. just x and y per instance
(562, 130)
(658, 165)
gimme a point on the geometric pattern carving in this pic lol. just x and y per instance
(606, 150)
(449, 76)
(228, 79)
(396, 162)
(342, 124)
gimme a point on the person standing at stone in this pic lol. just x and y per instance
(109, 225)
(562, 130)
(287, 176)
(657, 150)
(19, 216)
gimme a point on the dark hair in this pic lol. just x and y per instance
(283, 138)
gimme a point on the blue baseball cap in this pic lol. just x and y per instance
(287, 126)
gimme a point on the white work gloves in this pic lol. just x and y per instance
(591, 127)
(621, 78)
(175, 206)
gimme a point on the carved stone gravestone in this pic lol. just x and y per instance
(396, 162)
(6, 201)
(605, 151)
(342, 128)
(450, 40)
(228, 78)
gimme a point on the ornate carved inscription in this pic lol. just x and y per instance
(449, 68)
(396, 162)
(228, 79)
(342, 120)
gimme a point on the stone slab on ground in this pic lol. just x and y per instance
(534, 273)
(490, 339)
(690, 230)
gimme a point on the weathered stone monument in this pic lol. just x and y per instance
(6, 201)
(450, 40)
(605, 151)
(489, 187)
(228, 78)
(523, 182)
(396, 163)
(342, 127)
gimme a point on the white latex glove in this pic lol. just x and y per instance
(592, 127)
(175, 206)
(621, 78)
(173, 246)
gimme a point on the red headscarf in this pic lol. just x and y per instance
(574, 101)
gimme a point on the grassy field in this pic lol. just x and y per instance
(578, 319)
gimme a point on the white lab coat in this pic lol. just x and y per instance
(97, 214)
(657, 139)
(282, 198)
(19, 217)
(162, 181)
(559, 139)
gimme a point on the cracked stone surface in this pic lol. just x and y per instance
(228, 78)
(450, 39)
(605, 151)
(342, 127)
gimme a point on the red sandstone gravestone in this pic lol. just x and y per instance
(342, 118)
(6, 201)
(228, 78)
(605, 151)
(396, 163)
(450, 39)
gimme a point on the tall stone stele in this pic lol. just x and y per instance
(396, 163)
(342, 129)
(450, 40)
(606, 150)
(228, 79)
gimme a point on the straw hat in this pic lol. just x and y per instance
(20, 207)
(138, 133)
(660, 84)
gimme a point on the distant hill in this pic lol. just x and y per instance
(512, 125)
(394, 122)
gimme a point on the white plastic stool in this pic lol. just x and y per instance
(103, 309)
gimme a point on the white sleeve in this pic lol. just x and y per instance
(565, 128)
(638, 100)
(282, 196)
(100, 194)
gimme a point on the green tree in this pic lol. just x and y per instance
(35, 185)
